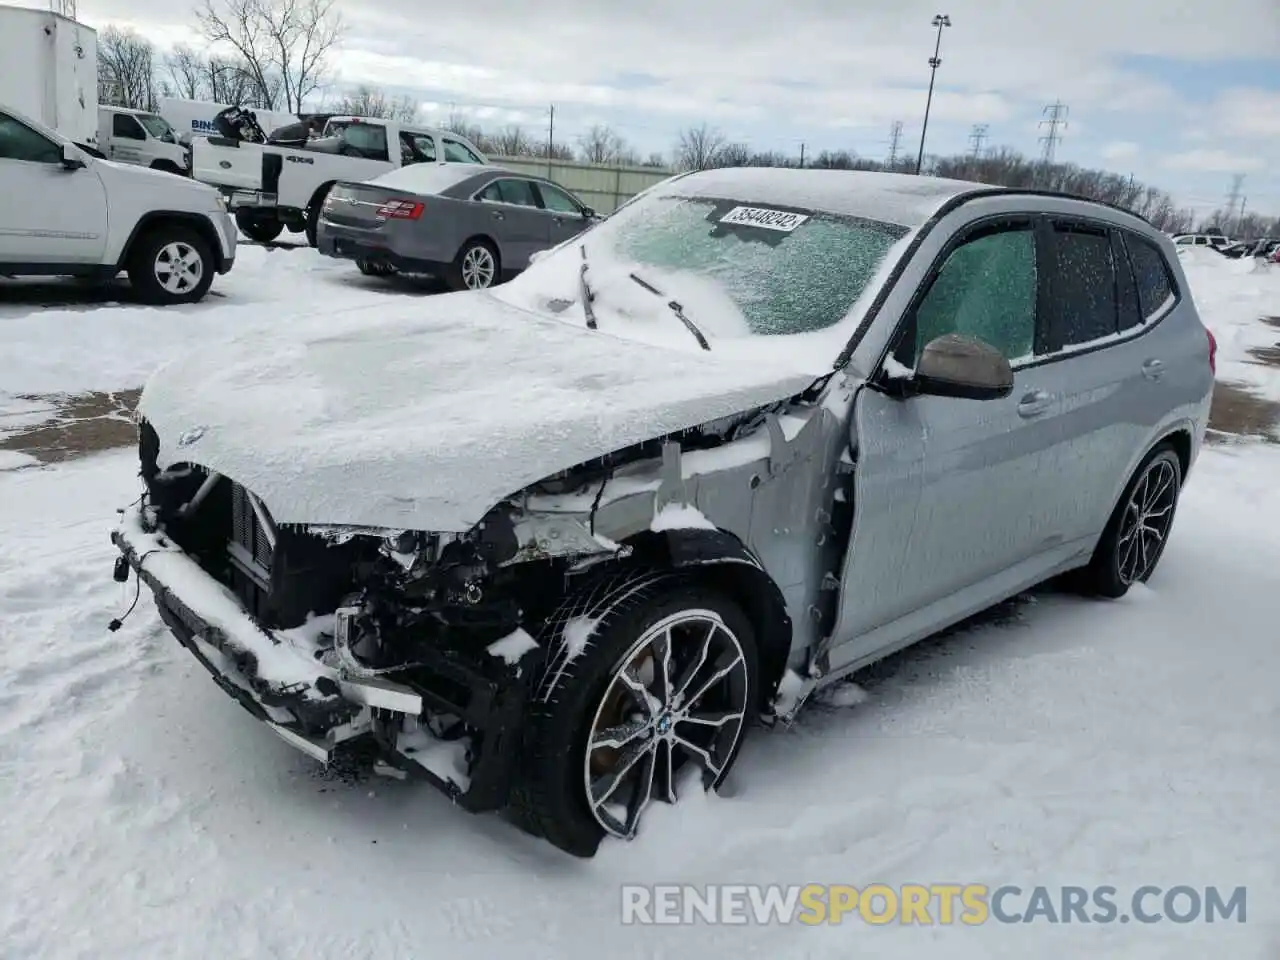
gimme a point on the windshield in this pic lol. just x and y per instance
(158, 127)
(738, 270)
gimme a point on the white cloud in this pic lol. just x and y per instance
(1213, 161)
(1249, 113)
(1120, 150)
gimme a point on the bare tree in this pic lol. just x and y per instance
(697, 147)
(186, 70)
(282, 45)
(126, 69)
(732, 155)
(512, 141)
(602, 144)
(365, 101)
(655, 160)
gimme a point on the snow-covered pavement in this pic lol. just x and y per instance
(1064, 742)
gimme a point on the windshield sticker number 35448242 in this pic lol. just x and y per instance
(765, 219)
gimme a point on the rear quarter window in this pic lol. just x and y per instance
(1152, 275)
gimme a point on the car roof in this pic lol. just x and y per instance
(899, 198)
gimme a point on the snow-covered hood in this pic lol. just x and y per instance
(428, 419)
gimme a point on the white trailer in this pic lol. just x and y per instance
(49, 71)
(194, 118)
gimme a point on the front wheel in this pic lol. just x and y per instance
(1135, 536)
(170, 265)
(650, 694)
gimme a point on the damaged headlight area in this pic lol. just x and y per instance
(421, 643)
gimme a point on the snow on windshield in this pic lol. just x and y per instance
(748, 273)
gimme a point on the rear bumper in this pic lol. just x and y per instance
(293, 682)
(346, 243)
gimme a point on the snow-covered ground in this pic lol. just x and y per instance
(144, 814)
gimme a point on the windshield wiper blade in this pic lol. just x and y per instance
(587, 295)
(675, 307)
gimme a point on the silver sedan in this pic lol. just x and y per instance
(471, 226)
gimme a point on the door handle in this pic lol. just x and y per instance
(1153, 369)
(1034, 403)
(499, 215)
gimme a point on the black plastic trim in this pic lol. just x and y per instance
(196, 221)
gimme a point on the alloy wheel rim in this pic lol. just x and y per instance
(477, 268)
(679, 696)
(178, 267)
(1145, 525)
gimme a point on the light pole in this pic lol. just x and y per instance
(940, 20)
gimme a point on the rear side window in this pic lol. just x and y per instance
(1084, 285)
(518, 192)
(1155, 285)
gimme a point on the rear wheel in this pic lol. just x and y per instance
(1135, 536)
(171, 264)
(476, 267)
(257, 227)
(655, 700)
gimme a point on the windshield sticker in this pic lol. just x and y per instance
(778, 220)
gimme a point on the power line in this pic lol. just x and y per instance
(1056, 114)
(895, 141)
(978, 136)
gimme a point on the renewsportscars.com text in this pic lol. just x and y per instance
(971, 904)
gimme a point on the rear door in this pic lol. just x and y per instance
(514, 220)
(568, 219)
(944, 487)
(48, 214)
(1108, 360)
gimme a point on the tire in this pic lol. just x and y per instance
(581, 693)
(468, 268)
(258, 228)
(1120, 560)
(313, 215)
(160, 246)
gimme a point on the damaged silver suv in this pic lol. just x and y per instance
(556, 547)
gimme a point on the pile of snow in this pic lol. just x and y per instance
(1232, 296)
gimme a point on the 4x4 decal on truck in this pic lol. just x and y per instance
(301, 159)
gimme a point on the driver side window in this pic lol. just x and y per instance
(986, 288)
(20, 142)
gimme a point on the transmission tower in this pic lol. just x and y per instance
(895, 141)
(1055, 118)
(1233, 196)
(978, 136)
(65, 7)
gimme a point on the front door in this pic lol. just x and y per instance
(945, 488)
(511, 215)
(48, 214)
(567, 217)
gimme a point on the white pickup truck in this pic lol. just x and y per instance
(276, 185)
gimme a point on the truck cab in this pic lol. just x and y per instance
(141, 138)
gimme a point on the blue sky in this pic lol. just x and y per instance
(1181, 93)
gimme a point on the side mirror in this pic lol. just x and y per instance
(588, 213)
(964, 367)
(71, 159)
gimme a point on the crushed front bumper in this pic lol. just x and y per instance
(292, 681)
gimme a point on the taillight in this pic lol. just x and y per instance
(1213, 351)
(399, 210)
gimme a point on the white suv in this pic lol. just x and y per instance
(66, 212)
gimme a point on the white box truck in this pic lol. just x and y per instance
(49, 71)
